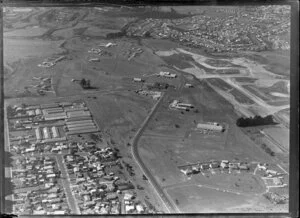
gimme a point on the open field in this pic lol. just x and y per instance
(15, 49)
(195, 199)
(276, 62)
(272, 94)
(280, 135)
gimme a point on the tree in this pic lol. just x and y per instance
(88, 84)
(83, 82)
(147, 34)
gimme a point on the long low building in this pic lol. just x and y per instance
(71, 119)
(209, 126)
(56, 116)
(82, 127)
(78, 113)
(82, 131)
(46, 133)
(55, 133)
(52, 110)
(38, 134)
(80, 123)
(51, 105)
(66, 104)
(70, 109)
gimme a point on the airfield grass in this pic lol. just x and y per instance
(245, 79)
(277, 62)
(194, 199)
(264, 93)
(280, 135)
(164, 146)
(238, 95)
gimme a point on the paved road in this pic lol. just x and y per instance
(66, 185)
(169, 204)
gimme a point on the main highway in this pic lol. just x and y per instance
(168, 203)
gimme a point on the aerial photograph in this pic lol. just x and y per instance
(146, 109)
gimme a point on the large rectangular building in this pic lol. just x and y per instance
(69, 109)
(53, 110)
(80, 124)
(54, 132)
(38, 134)
(82, 127)
(51, 105)
(56, 116)
(78, 113)
(81, 131)
(79, 121)
(210, 126)
(46, 133)
(71, 119)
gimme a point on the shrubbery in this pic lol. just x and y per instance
(255, 121)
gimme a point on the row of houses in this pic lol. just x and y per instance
(224, 164)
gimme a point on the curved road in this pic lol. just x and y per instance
(169, 204)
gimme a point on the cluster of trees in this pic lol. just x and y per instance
(85, 83)
(116, 35)
(255, 121)
(267, 150)
(158, 85)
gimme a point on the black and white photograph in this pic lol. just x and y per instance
(146, 109)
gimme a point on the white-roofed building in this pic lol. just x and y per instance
(213, 127)
(54, 132)
(139, 208)
(46, 133)
(129, 208)
(38, 134)
(128, 196)
(38, 111)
